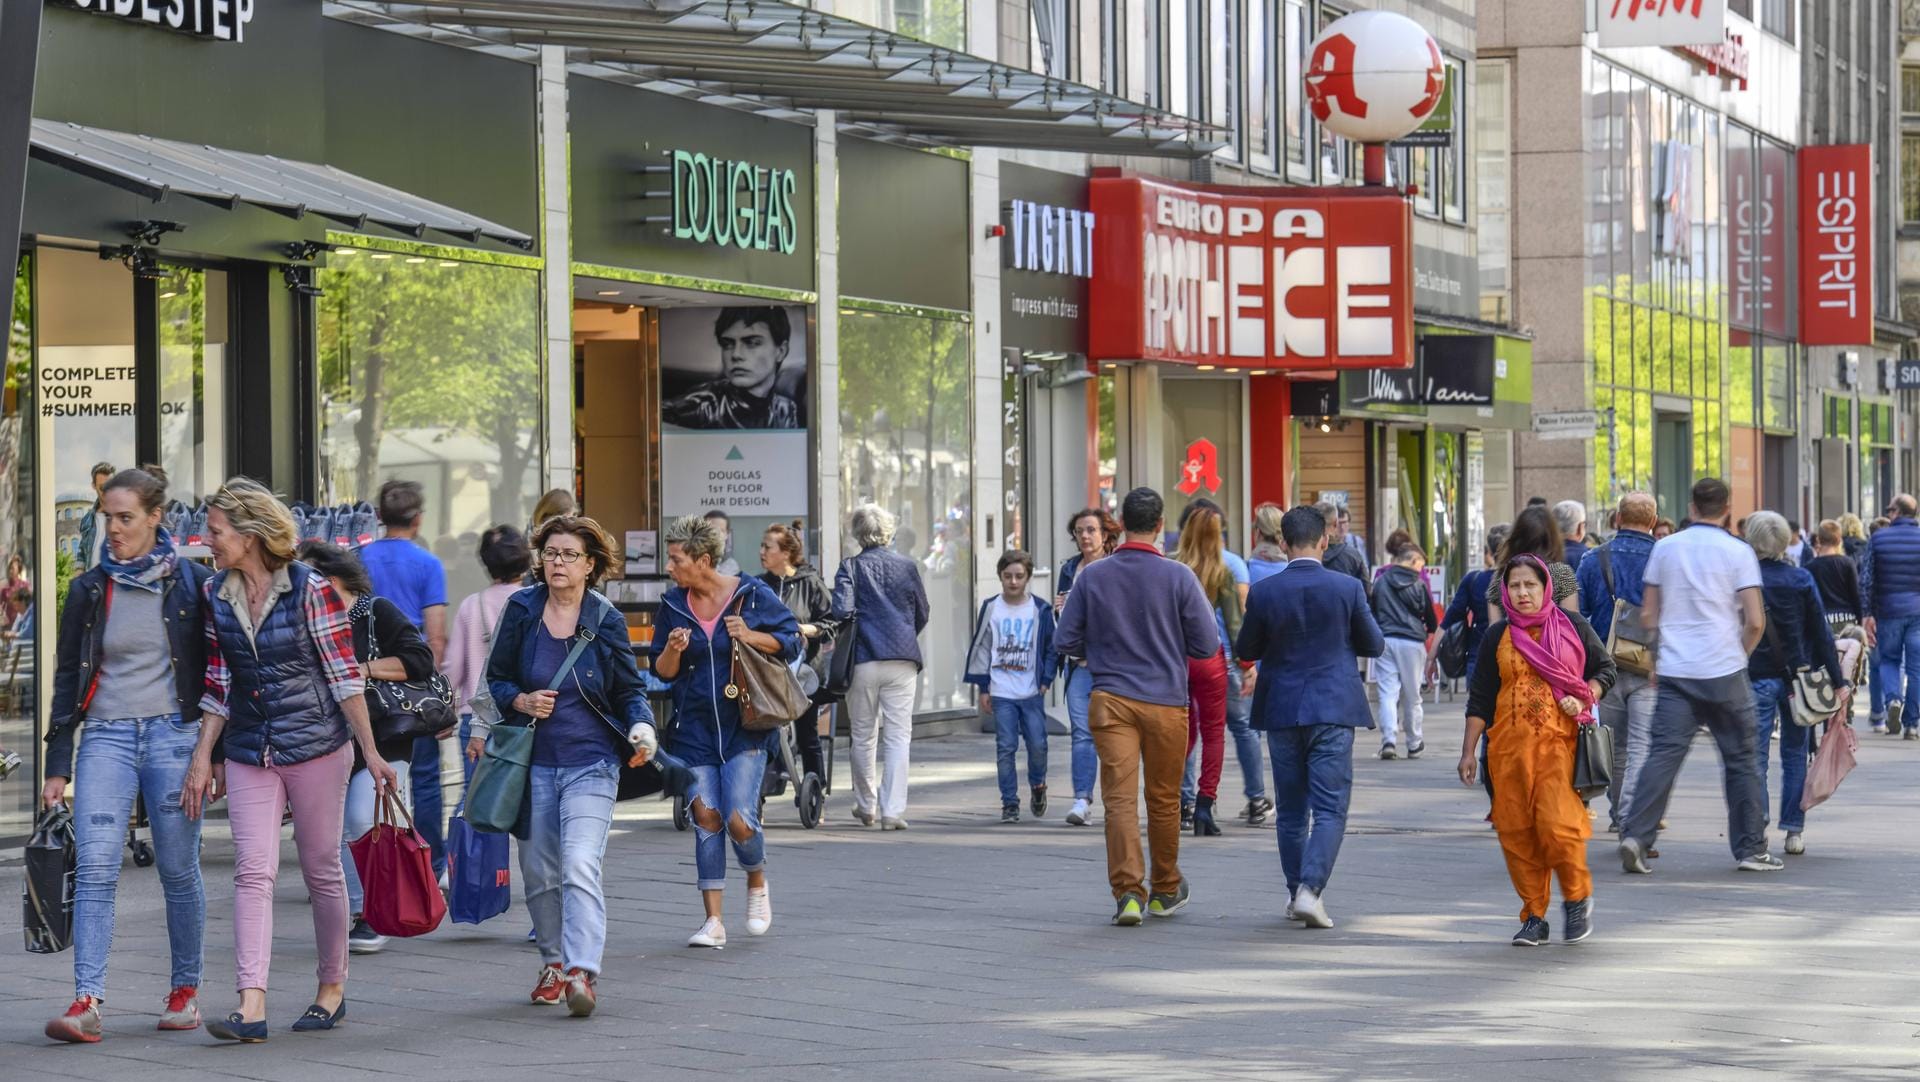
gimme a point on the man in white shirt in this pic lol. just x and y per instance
(1703, 594)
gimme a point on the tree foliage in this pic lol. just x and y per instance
(438, 349)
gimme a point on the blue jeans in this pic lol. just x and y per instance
(429, 808)
(1875, 693)
(1771, 706)
(118, 759)
(1899, 640)
(1246, 739)
(1015, 720)
(1086, 760)
(571, 808)
(1312, 783)
(732, 789)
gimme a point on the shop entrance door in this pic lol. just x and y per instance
(129, 370)
(1673, 462)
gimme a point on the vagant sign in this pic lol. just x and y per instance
(1283, 278)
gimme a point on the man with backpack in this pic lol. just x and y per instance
(1610, 581)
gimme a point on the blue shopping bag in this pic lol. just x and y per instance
(479, 877)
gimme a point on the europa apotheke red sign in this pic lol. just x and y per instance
(1836, 245)
(1300, 279)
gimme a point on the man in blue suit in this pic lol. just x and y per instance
(1308, 627)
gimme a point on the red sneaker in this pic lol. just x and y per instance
(80, 1025)
(580, 995)
(552, 987)
(183, 1009)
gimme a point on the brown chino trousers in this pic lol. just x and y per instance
(1125, 733)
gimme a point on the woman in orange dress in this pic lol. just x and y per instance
(1537, 677)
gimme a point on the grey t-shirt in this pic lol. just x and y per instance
(136, 671)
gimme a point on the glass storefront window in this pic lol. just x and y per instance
(429, 371)
(1299, 120)
(1259, 61)
(1493, 170)
(906, 444)
(19, 694)
(84, 340)
(1203, 450)
(192, 306)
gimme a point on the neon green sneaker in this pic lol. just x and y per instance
(1166, 905)
(1128, 914)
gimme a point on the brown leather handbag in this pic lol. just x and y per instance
(768, 692)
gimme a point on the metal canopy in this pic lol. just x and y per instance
(779, 59)
(156, 168)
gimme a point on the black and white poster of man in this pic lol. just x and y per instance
(741, 367)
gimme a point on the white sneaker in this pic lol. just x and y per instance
(759, 911)
(1078, 814)
(1796, 845)
(1309, 910)
(711, 934)
(1292, 913)
(888, 822)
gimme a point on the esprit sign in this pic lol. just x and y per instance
(216, 20)
(1756, 196)
(1662, 22)
(1287, 278)
(733, 203)
(1049, 239)
(1836, 245)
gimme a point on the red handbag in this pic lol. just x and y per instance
(396, 874)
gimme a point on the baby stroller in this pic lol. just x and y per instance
(810, 790)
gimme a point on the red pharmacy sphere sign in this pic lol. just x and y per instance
(1373, 76)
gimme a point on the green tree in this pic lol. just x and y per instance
(450, 347)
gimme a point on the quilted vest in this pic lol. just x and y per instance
(278, 697)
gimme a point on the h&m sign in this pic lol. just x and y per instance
(215, 20)
(1049, 239)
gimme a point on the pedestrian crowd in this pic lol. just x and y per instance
(264, 681)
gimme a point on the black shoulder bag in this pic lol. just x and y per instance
(836, 661)
(403, 709)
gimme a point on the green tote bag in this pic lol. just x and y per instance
(498, 790)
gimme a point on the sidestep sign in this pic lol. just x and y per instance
(214, 20)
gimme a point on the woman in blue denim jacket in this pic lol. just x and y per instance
(132, 664)
(584, 720)
(694, 634)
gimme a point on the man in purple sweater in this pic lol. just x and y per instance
(1136, 617)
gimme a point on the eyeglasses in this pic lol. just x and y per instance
(562, 556)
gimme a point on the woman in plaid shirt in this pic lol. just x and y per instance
(284, 696)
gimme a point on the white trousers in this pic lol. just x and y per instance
(880, 713)
(1396, 676)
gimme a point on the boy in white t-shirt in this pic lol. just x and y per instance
(1011, 661)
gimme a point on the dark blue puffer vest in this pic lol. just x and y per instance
(278, 697)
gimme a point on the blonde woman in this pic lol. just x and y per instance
(284, 699)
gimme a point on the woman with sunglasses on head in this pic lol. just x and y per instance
(285, 697)
(1094, 533)
(562, 663)
(132, 663)
(701, 622)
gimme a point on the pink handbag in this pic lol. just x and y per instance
(1831, 764)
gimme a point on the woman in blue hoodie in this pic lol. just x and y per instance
(694, 634)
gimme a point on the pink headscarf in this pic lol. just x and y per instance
(1558, 656)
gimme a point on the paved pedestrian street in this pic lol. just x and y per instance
(967, 949)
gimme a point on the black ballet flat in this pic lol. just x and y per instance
(318, 1018)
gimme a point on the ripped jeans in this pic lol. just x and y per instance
(732, 788)
(117, 760)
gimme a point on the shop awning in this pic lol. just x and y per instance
(156, 168)
(781, 59)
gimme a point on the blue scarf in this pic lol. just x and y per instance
(148, 572)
